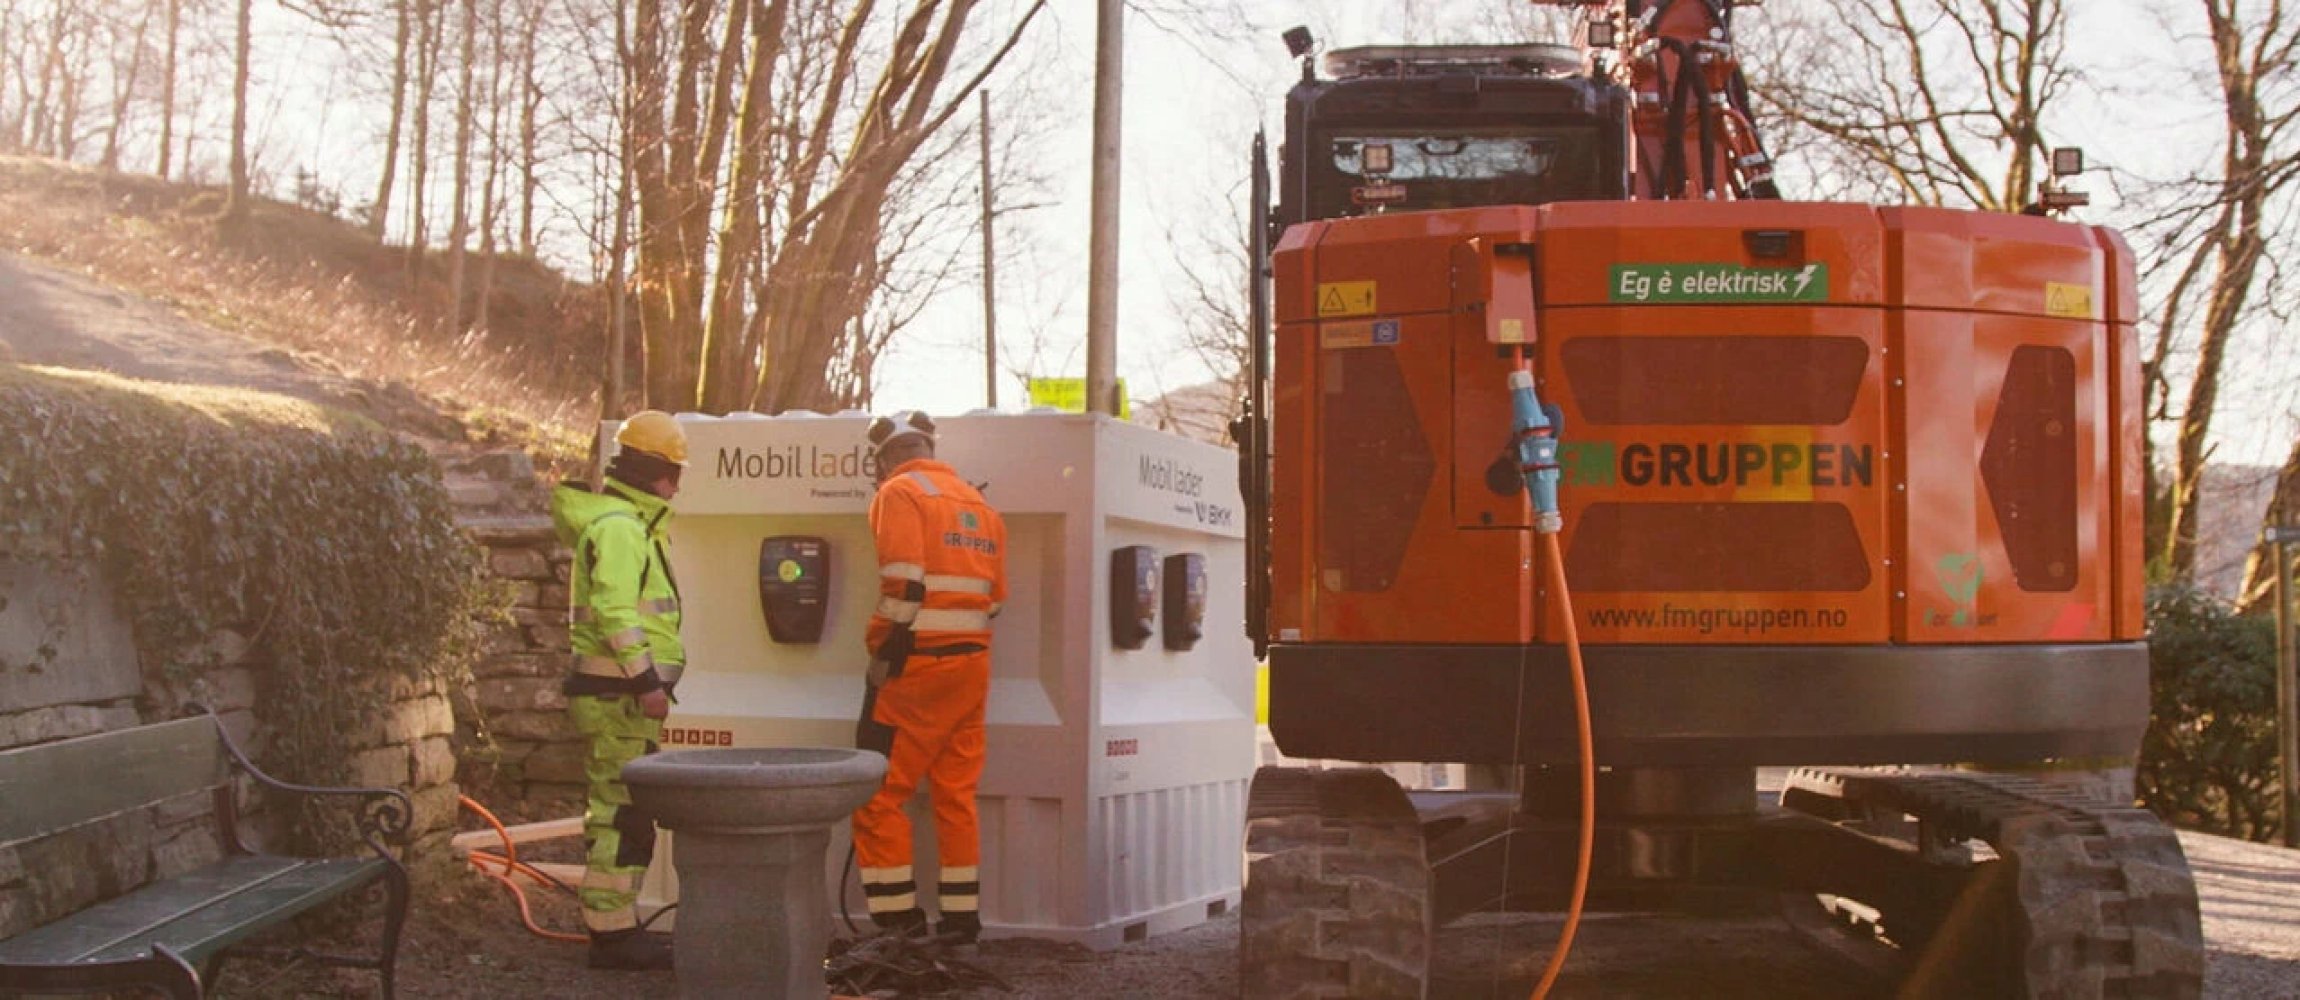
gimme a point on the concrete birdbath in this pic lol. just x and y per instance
(753, 827)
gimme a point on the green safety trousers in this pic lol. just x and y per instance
(619, 837)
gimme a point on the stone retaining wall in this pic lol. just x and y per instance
(517, 741)
(91, 681)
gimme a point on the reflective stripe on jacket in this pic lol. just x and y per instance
(942, 559)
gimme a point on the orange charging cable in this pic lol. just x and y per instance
(509, 860)
(1550, 553)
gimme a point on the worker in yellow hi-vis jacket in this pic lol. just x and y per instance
(624, 627)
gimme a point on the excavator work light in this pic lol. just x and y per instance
(1376, 158)
(1298, 41)
(2067, 161)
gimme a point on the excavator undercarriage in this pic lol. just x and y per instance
(1968, 884)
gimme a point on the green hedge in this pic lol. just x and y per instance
(2209, 760)
(324, 540)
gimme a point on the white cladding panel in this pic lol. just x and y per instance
(1113, 795)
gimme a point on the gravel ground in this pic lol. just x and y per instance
(2251, 898)
(465, 943)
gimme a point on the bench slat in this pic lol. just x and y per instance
(187, 914)
(55, 786)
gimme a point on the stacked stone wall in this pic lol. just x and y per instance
(518, 742)
(69, 668)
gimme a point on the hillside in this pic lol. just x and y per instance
(131, 274)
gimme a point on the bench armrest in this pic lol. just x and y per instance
(385, 814)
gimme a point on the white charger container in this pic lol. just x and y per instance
(1113, 796)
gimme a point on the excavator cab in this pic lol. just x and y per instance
(1415, 128)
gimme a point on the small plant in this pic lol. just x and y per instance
(2209, 759)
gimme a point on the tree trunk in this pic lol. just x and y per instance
(236, 207)
(2239, 260)
(488, 205)
(427, 25)
(8, 123)
(2240, 245)
(459, 225)
(2283, 508)
(829, 263)
(727, 369)
(168, 85)
(618, 250)
(668, 266)
(379, 215)
(663, 371)
(41, 115)
(124, 90)
(530, 103)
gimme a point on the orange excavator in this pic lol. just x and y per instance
(1575, 454)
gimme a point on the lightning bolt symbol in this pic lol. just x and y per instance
(1804, 277)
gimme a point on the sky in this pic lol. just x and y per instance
(1199, 78)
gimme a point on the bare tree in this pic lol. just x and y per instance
(459, 218)
(428, 17)
(531, 20)
(2222, 232)
(828, 248)
(236, 206)
(124, 83)
(1934, 102)
(174, 29)
(490, 206)
(379, 214)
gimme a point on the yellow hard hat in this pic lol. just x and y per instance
(654, 432)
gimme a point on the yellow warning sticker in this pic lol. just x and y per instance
(2071, 301)
(1345, 298)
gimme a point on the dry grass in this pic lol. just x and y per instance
(300, 280)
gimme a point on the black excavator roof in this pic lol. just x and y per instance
(1460, 126)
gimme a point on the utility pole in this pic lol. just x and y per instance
(1102, 248)
(989, 272)
(2287, 685)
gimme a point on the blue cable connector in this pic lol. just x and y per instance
(1536, 427)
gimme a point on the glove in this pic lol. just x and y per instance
(655, 704)
(879, 671)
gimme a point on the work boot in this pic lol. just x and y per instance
(901, 923)
(958, 928)
(631, 950)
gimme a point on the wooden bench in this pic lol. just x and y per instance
(174, 935)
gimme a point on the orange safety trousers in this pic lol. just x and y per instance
(930, 722)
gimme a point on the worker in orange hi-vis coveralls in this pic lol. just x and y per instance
(942, 577)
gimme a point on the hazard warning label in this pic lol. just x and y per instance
(1345, 298)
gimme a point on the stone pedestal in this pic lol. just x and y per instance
(753, 826)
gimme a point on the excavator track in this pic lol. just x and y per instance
(2091, 900)
(1337, 898)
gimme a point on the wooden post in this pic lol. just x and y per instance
(989, 272)
(2287, 688)
(1102, 241)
